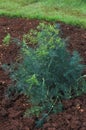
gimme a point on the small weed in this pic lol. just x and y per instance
(6, 40)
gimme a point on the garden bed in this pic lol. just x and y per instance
(12, 112)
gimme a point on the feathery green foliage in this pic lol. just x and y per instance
(47, 72)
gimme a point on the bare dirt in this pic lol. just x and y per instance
(12, 111)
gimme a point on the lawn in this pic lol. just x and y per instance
(68, 11)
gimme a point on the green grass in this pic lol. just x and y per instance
(68, 11)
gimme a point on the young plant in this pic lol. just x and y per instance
(6, 40)
(48, 73)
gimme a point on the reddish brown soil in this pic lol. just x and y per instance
(12, 111)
